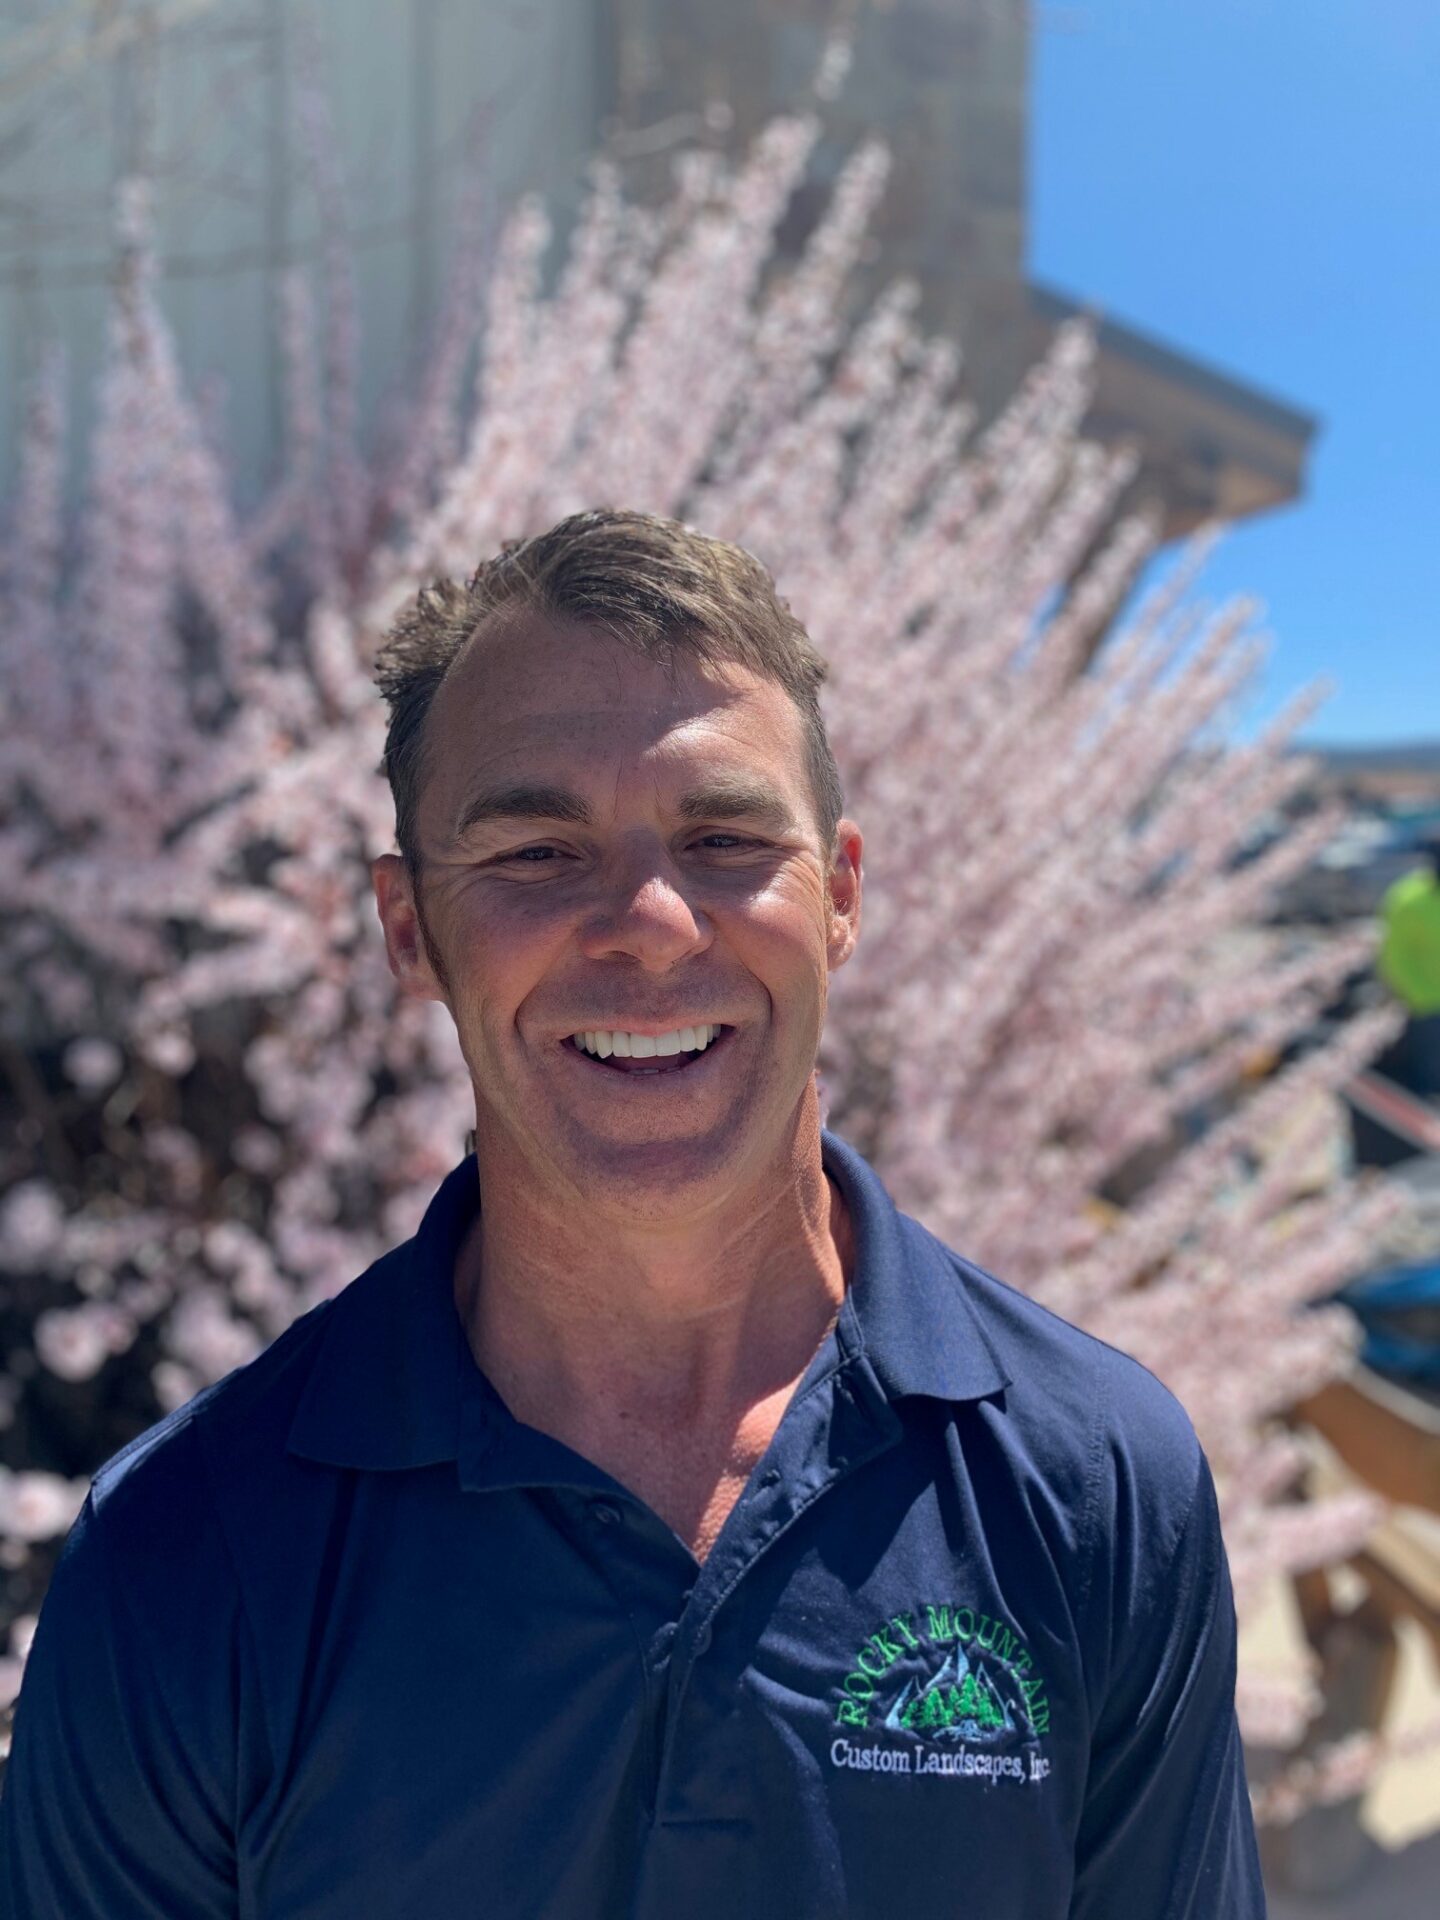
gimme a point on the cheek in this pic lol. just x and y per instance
(489, 959)
(784, 946)
(493, 929)
(792, 912)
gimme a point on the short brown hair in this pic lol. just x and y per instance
(654, 584)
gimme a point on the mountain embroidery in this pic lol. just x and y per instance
(945, 1672)
(961, 1702)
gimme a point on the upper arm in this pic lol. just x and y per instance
(1166, 1827)
(118, 1798)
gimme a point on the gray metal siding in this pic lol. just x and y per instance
(208, 99)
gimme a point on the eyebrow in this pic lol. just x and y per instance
(725, 797)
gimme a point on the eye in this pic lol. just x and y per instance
(524, 853)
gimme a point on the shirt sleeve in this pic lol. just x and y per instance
(1166, 1829)
(111, 1809)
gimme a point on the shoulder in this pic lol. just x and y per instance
(148, 1621)
(257, 1399)
(1091, 1412)
(157, 1502)
(144, 1691)
(1099, 1437)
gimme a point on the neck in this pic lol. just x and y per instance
(584, 1326)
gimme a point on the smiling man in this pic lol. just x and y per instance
(673, 1527)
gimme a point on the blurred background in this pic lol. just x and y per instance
(1240, 199)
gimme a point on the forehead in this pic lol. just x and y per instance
(543, 697)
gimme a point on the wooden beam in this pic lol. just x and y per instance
(1397, 1456)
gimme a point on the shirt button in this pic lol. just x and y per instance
(770, 1477)
(605, 1511)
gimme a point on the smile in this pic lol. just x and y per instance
(694, 1066)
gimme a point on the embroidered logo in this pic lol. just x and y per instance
(953, 1679)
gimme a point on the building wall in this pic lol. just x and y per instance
(206, 104)
(945, 80)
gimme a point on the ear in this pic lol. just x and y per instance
(404, 941)
(844, 902)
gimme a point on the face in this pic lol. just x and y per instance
(682, 883)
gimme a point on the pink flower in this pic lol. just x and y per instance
(11, 1673)
(38, 1506)
(30, 1220)
(75, 1342)
(93, 1064)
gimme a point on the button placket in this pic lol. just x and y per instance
(867, 1426)
(625, 1548)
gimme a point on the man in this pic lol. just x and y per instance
(673, 1527)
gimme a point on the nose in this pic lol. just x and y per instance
(646, 909)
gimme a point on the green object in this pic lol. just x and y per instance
(1409, 957)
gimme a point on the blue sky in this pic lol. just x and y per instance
(1257, 184)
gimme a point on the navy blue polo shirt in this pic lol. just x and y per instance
(341, 1637)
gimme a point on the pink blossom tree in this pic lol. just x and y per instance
(221, 1109)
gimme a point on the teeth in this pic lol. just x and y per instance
(643, 1046)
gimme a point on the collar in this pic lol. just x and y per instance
(909, 1306)
(393, 1382)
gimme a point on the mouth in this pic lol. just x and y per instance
(671, 1066)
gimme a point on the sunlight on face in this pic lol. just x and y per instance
(607, 846)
